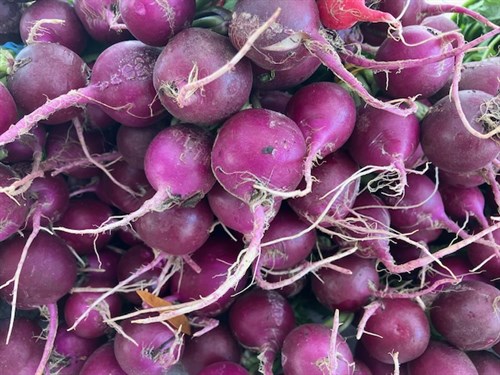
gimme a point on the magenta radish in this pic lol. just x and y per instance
(214, 258)
(190, 56)
(51, 195)
(133, 142)
(485, 362)
(103, 269)
(454, 266)
(216, 345)
(440, 22)
(10, 15)
(53, 21)
(224, 368)
(102, 362)
(13, 214)
(486, 258)
(307, 350)
(9, 109)
(462, 203)
(260, 321)
(163, 19)
(274, 100)
(330, 286)
(466, 315)
(396, 326)
(26, 147)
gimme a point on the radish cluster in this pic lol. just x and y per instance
(241, 187)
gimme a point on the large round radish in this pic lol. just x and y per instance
(12, 214)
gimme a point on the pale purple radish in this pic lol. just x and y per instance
(398, 325)
(133, 142)
(163, 19)
(214, 258)
(463, 203)
(224, 368)
(10, 15)
(191, 55)
(9, 109)
(260, 321)
(307, 350)
(13, 214)
(53, 21)
(384, 139)
(466, 315)
(102, 362)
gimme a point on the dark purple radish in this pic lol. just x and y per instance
(285, 79)
(233, 212)
(103, 269)
(290, 289)
(13, 213)
(53, 21)
(163, 19)
(96, 118)
(452, 267)
(51, 195)
(84, 213)
(463, 203)
(260, 320)
(179, 230)
(224, 368)
(102, 362)
(334, 193)
(440, 357)
(485, 362)
(383, 139)
(9, 109)
(71, 351)
(463, 180)
(26, 147)
(214, 259)
(101, 21)
(466, 315)
(398, 325)
(216, 345)
(330, 286)
(360, 368)
(425, 80)
(48, 272)
(486, 258)
(133, 142)
(154, 348)
(449, 145)
(273, 100)
(307, 350)
(286, 253)
(24, 348)
(190, 56)
(441, 23)
(93, 326)
(45, 71)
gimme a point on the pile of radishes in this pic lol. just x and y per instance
(231, 187)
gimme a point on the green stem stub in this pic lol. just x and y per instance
(6, 62)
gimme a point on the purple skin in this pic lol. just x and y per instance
(446, 141)
(207, 51)
(424, 80)
(290, 290)
(326, 115)
(96, 118)
(217, 345)
(306, 350)
(10, 15)
(131, 177)
(399, 325)
(485, 362)
(98, 17)
(286, 254)
(156, 352)
(330, 286)
(102, 362)
(23, 349)
(74, 349)
(23, 148)
(462, 180)
(233, 212)
(69, 33)
(107, 263)
(9, 110)
(48, 273)
(224, 368)
(458, 265)
(214, 258)
(274, 100)
(51, 195)
(164, 19)
(466, 315)
(333, 171)
(375, 367)
(13, 214)
(478, 253)
(440, 358)
(85, 213)
(461, 203)
(132, 143)
(260, 320)
(46, 70)
(285, 79)
(272, 160)
(441, 23)
(93, 326)
(179, 230)
(360, 368)
(136, 257)
(176, 152)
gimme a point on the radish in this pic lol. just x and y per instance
(133, 142)
(102, 362)
(224, 368)
(9, 109)
(13, 214)
(485, 362)
(486, 258)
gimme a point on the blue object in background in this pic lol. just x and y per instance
(14, 47)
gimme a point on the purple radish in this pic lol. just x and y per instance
(224, 368)
(486, 257)
(13, 213)
(462, 203)
(9, 109)
(25, 147)
(10, 15)
(214, 258)
(466, 315)
(133, 142)
(53, 21)
(459, 267)
(274, 100)
(163, 19)
(307, 350)
(440, 22)
(485, 362)
(51, 195)
(398, 325)
(288, 290)
(102, 362)
(462, 180)
(102, 270)
(190, 56)
(260, 321)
